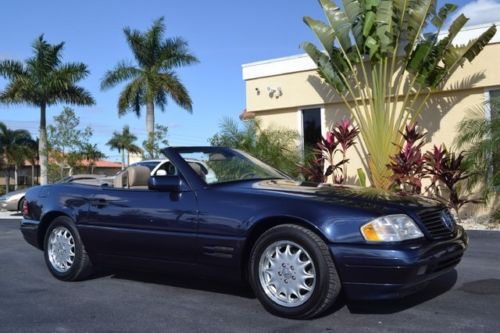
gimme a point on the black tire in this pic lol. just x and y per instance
(327, 283)
(81, 266)
(20, 204)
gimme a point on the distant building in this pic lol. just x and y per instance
(29, 173)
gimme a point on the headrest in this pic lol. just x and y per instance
(138, 176)
(197, 168)
(118, 181)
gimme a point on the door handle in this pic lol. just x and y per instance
(99, 202)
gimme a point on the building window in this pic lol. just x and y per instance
(494, 99)
(311, 127)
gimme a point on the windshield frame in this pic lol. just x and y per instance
(188, 172)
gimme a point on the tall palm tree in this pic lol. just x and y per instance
(152, 80)
(379, 62)
(124, 142)
(41, 81)
(92, 154)
(15, 145)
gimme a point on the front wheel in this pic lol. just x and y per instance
(64, 252)
(292, 272)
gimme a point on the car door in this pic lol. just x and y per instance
(142, 223)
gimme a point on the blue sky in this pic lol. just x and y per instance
(222, 34)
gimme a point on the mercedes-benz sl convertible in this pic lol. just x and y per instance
(219, 212)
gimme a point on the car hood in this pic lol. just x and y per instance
(347, 194)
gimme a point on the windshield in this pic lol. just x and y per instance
(221, 165)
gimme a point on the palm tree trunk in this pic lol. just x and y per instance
(42, 147)
(123, 159)
(32, 173)
(6, 171)
(7, 179)
(150, 126)
(15, 177)
(128, 158)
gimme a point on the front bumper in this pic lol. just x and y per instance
(392, 271)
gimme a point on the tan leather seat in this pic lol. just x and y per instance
(120, 179)
(138, 177)
(197, 168)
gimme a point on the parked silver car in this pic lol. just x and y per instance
(13, 201)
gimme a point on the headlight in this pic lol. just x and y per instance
(391, 228)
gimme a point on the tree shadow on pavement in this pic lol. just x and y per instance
(435, 288)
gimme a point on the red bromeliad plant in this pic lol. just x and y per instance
(346, 136)
(313, 169)
(338, 139)
(407, 166)
(447, 169)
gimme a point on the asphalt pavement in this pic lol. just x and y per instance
(31, 300)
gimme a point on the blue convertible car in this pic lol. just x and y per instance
(220, 212)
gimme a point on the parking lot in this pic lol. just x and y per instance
(465, 300)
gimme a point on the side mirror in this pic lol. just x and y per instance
(165, 183)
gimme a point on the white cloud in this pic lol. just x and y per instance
(480, 12)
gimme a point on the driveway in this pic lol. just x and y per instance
(465, 300)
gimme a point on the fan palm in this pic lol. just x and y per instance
(479, 135)
(152, 80)
(384, 68)
(41, 81)
(15, 148)
(124, 142)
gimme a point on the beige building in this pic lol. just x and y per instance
(287, 92)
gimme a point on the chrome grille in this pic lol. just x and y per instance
(439, 223)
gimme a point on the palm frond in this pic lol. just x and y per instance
(122, 72)
(132, 97)
(11, 69)
(172, 86)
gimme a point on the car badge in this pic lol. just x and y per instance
(447, 220)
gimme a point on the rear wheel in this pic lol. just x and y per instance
(292, 272)
(64, 251)
(20, 204)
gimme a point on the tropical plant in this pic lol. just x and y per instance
(346, 135)
(384, 68)
(447, 169)
(479, 136)
(152, 79)
(408, 164)
(124, 142)
(313, 168)
(66, 140)
(44, 80)
(91, 153)
(275, 146)
(338, 139)
(328, 147)
(152, 148)
(15, 148)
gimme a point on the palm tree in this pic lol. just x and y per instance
(15, 145)
(479, 135)
(92, 154)
(384, 68)
(41, 81)
(122, 142)
(152, 80)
